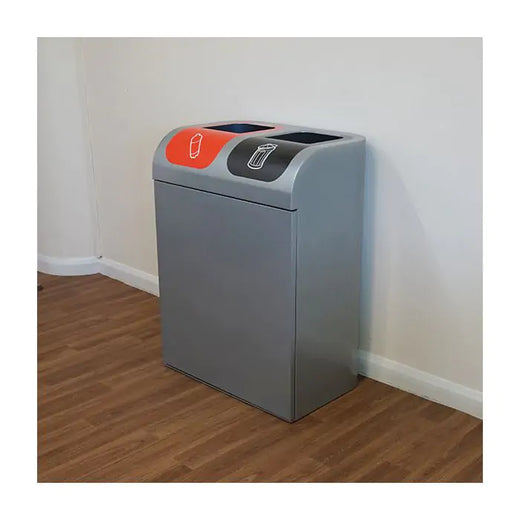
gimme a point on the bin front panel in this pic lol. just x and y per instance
(227, 282)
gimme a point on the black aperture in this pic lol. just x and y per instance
(306, 137)
(239, 128)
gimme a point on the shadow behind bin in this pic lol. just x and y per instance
(259, 243)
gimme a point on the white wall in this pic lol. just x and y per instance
(66, 209)
(417, 101)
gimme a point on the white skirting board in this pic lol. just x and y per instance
(371, 365)
(134, 277)
(94, 265)
(68, 266)
(424, 384)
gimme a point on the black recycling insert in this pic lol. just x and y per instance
(240, 128)
(261, 158)
(306, 137)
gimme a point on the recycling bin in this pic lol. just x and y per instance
(259, 250)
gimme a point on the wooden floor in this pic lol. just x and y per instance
(109, 411)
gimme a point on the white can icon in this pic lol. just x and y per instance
(257, 160)
(195, 143)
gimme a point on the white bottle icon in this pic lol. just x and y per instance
(258, 158)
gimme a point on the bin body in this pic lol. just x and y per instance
(259, 250)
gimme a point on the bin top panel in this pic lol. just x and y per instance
(257, 161)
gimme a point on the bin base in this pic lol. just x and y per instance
(290, 421)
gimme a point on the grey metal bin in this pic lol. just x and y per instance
(259, 244)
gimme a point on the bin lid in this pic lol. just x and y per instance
(254, 161)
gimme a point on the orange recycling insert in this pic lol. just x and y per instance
(196, 147)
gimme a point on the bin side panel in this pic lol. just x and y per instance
(227, 284)
(330, 200)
